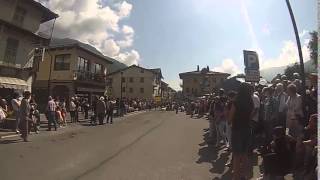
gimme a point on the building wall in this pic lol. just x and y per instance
(32, 18)
(44, 67)
(135, 73)
(193, 83)
(25, 46)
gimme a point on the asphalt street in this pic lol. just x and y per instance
(154, 145)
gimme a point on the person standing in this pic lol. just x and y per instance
(269, 115)
(15, 103)
(24, 115)
(240, 116)
(51, 111)
(86, 108)
(101, 110)
(62, 105)
(280, 99)
(72, 109)
(294, 112)
(110, 111)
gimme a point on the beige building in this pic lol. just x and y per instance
(19, 23)
(136, 82)
(201, 82)
(71, 68)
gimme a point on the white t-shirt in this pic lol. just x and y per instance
(256, 104)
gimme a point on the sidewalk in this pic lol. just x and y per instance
(8, 133)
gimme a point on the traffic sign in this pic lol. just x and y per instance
(251, 62)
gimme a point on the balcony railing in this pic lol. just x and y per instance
(89, 76)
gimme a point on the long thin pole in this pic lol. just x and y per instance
(50, 70)
(302, 74)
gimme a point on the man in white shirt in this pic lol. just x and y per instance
(294, 112)
(15, 103)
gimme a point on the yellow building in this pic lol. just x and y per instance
(135, 82)
(201, 82)
(19, 23)
(71, 68)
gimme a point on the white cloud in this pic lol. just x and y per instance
(129, 58)
(228, 66)
(128, 34)
(288, 55)
(91, 22)
(303, 33)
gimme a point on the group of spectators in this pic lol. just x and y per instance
(27, 116)
(272, 121)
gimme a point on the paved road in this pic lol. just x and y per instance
(147, 146)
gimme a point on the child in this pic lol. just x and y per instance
(59, 116)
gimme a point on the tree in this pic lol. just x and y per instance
(313, 47)
(292, 69)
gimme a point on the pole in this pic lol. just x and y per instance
(303, 79)
(50, 70)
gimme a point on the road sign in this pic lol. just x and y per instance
(251, 62)
(157, 98)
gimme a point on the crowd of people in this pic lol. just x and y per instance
(272, 121)
(25, 110)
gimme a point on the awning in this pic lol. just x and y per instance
(13, 83)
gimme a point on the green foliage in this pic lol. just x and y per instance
(313, 47)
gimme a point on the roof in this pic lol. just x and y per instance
(157, 70)
(202, 73)
(49, 15)
(22, 30)
(67, 42)
(123, 69)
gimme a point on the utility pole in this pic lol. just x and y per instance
(302, 74)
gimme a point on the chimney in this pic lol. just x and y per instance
(198, 69)
(208, 68)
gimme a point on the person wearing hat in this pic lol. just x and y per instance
(101, 110)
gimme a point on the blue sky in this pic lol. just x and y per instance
(178, 35)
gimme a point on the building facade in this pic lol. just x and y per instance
(19, 23)
(201, 82)
(71, 68)
(135, 82)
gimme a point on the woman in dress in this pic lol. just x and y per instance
(240, 115)
(25, 115)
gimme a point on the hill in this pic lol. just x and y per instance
(270, 73)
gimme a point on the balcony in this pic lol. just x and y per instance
(89, 76)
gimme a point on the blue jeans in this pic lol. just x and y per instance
(52, 119)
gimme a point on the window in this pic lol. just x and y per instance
(131, 79)
(96, 68)
(123, 89)
(131, 90)
(123, 80)
(19, 15)
(195, 80)
(10, 54)
(62, 62)
(187, 90)
(142, 70)
(141, 90)
(83, 64)
(142, 79)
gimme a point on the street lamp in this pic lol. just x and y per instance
(300, 57)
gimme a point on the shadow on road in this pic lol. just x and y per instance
(10, 141)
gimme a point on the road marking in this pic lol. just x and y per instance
(9, 136)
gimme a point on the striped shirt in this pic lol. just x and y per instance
(52, 105)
